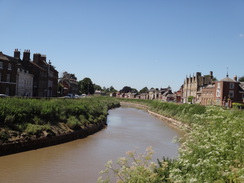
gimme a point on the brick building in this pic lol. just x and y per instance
(227, 91)
(45, 81)
(192, 86)
(8, 73)
(223, 92)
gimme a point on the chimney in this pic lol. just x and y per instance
(36, 57)
(1, 53)
(198, 74)
(235, 77)
(17, 54)
(26, 56)
(211, 74)
(43, 57)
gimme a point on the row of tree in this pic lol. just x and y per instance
(86, 86)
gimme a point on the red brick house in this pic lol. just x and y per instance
(227, 91)
(223, 92)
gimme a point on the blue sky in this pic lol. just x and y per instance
(136, 43)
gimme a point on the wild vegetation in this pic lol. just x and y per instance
(211, 152)
(22, 119)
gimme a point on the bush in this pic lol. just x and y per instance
(73, 123)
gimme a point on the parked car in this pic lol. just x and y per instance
(3, 95)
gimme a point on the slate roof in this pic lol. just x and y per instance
(227, 79)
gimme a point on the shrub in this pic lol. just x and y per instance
(34, 129)
(73, 123)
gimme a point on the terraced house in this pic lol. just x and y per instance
(37, 78)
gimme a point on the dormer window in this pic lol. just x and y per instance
(9, 66)
(232, 85)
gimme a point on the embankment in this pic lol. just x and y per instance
(170, 121)
(33, 144)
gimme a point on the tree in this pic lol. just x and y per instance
(126, 89)
(112, 89)
(133, 90)
(86, 86)
(241, 79)
(97, 87)
(144, 90)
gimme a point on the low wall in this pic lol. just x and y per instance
(49, 141)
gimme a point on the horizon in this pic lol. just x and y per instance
(152, 44)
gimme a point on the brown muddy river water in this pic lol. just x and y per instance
(80, 161)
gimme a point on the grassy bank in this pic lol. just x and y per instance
(212, 150)
(25, 119)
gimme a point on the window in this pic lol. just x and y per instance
(1, 65)
(232, 85)
(8, 77)
(9, 66)
(7, 91)
(231, 94)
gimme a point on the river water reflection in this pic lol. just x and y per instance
(81, 160)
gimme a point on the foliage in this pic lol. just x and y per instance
(127, 89)
(144, 90)
(241, 79)
(133, 168)
(33, 116)
(211, 152)
(86, 86)
(190, 98)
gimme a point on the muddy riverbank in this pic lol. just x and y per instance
(31, 144)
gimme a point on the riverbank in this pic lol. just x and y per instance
(212, 150)
(172, 122)
(32, 144)
(28, 124)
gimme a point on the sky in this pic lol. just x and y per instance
(136, 43)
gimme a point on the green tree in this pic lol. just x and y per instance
(241, 79)
(86, 86)
(112, 89)
(97, 87)
(133, 90)
(144, 90)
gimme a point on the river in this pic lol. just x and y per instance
(82, 160)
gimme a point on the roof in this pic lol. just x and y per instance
(227, 79)
(241, 86)
(8, 58)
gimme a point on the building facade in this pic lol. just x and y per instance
(8, 73)
(45, 80)
(24, 83)
(192, 86)
(227, 91)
